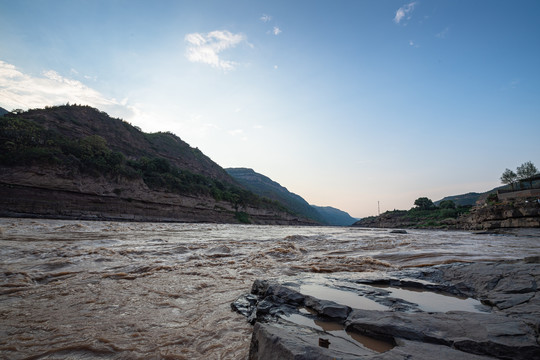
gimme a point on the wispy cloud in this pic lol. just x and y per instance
(266, 18)
(205, 48)
(404, 11)
(276, 30)
(236, 132)
(19, 90)
(239, 133)
(443, 34)
(413, 44)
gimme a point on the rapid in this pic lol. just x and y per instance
(119, 290)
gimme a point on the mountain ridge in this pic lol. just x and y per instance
(264, 186)
(75, 161)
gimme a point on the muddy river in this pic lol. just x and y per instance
(110, 290)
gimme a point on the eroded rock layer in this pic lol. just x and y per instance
(461, 310)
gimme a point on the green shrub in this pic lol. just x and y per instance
(242, 217)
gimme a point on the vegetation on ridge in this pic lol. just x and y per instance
(26, 141)
(425, 214)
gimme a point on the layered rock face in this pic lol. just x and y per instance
(58, 193)
(523, 213)
(457, 311)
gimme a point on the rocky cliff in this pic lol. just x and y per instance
(511, 214)
(77, 162)
(522, 213)
(56, 193)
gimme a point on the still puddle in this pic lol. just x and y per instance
(342, 297)
(351, 339)
(435, 302)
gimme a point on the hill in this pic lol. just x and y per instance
(266, 187)
(77, 122)
(334, 216)
(76, 161)
(463, 199)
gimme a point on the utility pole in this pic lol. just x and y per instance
(378, 208)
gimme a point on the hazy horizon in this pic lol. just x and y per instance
(346, 104)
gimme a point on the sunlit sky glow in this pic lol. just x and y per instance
(345, 103)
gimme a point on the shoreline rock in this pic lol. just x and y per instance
(503, 321)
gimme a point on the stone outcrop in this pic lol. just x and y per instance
(58, 193)
(502, 320)
(516, 214)
(524, 213)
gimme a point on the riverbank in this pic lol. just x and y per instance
(518, 213)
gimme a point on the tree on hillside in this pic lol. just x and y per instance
(423, 203)
(447, 204)
(508, 177)
(526, 171)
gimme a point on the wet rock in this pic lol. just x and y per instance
(245, 305)
(327, 308)
(276, 341)
(486, 334)
(398, 232)
(509, 331)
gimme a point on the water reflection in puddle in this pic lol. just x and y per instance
(338, 330)
(341, 297)
(435, 302)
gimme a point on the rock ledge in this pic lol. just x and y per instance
(494, 314)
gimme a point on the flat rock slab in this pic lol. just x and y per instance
(487, 334)
(278, 342)
(292, 324)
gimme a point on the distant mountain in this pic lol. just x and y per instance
(463, 199)
(334, 216)
(3, 112)
(266, 187)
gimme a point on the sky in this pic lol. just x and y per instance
(346, 103)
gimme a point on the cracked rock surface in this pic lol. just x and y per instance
(487, 310)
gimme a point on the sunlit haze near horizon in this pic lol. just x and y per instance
(345, 103)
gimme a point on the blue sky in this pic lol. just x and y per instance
(345, 103)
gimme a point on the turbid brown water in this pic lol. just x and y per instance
(91, 290)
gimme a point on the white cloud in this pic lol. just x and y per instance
(205, 48)
(276, 30)
(19, 90)
(266, 18)
(236, 132)
(404, 11)
(443, 34)
(413, 44)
